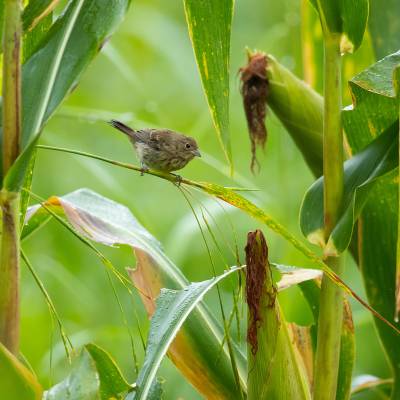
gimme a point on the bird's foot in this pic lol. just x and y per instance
(178, 179)
(143, 170)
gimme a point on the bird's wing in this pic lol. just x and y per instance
(143, 135)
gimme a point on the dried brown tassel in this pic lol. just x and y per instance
(256, 261)
(254, 92)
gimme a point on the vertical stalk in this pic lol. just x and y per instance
(396, 82)
(332, 131)
(10, 202)
(331, 300)
(9, 272)
(11, 82)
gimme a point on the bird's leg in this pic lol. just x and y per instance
(144, 169)
(178, 179)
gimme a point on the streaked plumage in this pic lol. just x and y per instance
(160, 149)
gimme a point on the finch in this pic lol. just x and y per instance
(160, 149)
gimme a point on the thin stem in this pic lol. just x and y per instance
(333, 138)
(10, 202)
(53, 311)
(396, 79)
(331, 299)
(11, 83)
(9, 272)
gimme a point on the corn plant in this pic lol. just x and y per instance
(352, 207)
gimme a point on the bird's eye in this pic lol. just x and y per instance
(187, 145)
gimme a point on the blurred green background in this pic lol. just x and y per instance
(146, 76)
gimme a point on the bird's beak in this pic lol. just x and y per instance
(196, 153)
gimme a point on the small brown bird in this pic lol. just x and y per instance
(160, 149)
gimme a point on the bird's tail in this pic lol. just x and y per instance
(123, 128)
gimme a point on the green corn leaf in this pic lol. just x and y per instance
(376, 109)
(156, 390)
(16, 381)
(54, 68)
(172, 309)
(367, 387)
(35, 12)
(37, 19)
(360, 175)
(346, 18)
(111, 380)
(94, 376)
(104, 221)
(209, 24)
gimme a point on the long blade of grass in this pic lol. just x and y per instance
(252, 210)
(65, 339)
(209, 24)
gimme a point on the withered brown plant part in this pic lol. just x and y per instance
(254, 92)
(256, 261)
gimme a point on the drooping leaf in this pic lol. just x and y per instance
(16, 381)
(56, 65)
(293, 276)
(346, 18)
(360, 175)
(375, 105)
(368, 387)
(199, 344)
(172, 309)
(94, 376)
(209, 24)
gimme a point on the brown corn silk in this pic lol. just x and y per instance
(254, 92)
